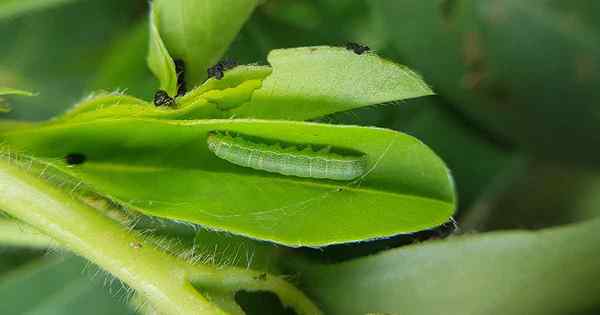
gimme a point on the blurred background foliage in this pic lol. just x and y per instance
(516, 117)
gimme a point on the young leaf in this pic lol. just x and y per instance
(482, 274)
(159, 60)
(311, 82)
(303, 84)
(206, 101)
(103, 100)
(165, 169)
(199, 31)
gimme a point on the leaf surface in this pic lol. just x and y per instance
(159, 59)
(199, 31)
(303, 84)
(164, 168)
(311, 82)
(483, 274)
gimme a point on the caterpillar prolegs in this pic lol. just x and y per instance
(290, 160)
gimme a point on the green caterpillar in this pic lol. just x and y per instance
(287, 161)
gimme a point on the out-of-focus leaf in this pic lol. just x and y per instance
(56, 286)
(10, 91)
(469, 275)
(15, 8)
(17, 234)
(124, 67)
(164, 168)
(56, 52)
(454, 140)
(331, 22)
(198, 32)
(159, 59)
(536, 194)
(526, 70)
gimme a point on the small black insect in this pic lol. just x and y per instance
(261, 277)
(218, 70)
(357, 48)
(180, 70)
(161, 98)
(215, 71)
(445, 230)
(75, 158)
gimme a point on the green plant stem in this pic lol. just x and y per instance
(235, 279)
(163, 280)
(18, 234)
(160, 278)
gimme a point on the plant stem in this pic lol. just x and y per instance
(234, 279)
(163, 280)
(160, 278)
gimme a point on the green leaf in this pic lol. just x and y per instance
(164, 169)
(15, 8)
(483, 274)
(56, 286)
(311, 82)
(303, 84)
(123, 67)
(199, 31)
(204, 102)
(159, 60)
(72, 47)
(99, 101)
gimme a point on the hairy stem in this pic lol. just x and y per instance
(160, 278)
(163, 280)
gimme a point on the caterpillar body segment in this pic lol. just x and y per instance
(290, 161)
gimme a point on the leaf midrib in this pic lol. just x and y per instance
(283, 180)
